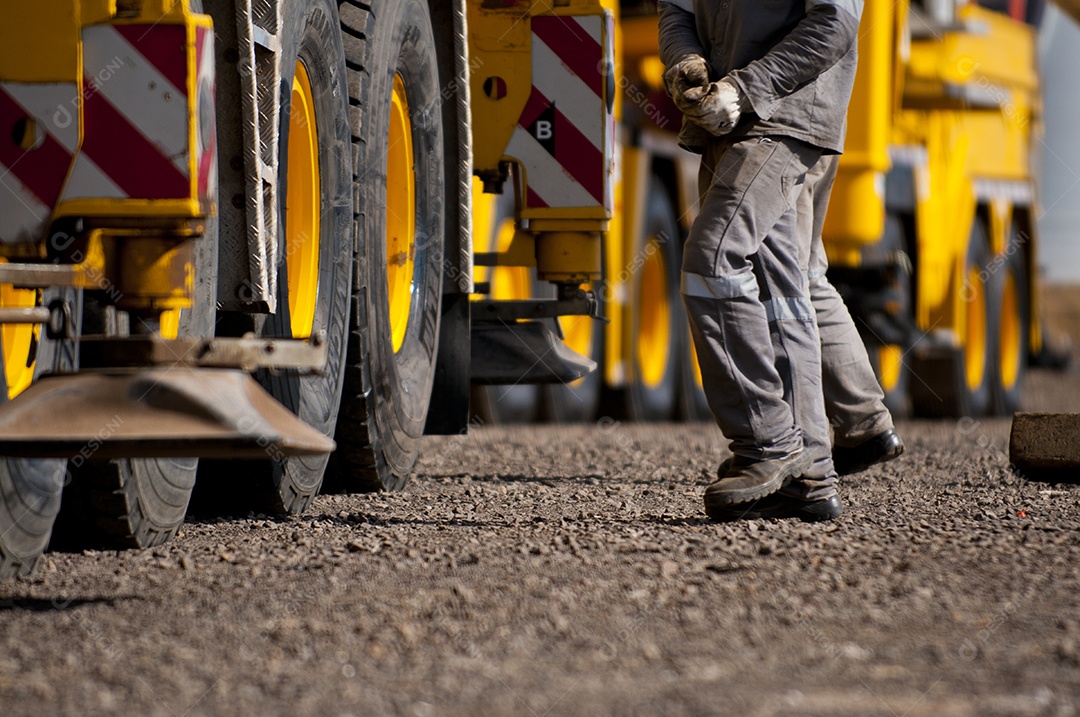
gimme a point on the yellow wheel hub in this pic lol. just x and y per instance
(891, 365)
(400, 214)
(17, 340)
(1011, 338)
(695, 365)
(975, 338)
(654, 324)
(303, 207)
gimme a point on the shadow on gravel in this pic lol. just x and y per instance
(60, 604)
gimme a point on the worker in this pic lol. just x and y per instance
(764, 88)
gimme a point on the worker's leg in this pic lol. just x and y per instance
(749, 186)
(854, 400)
(796, 341)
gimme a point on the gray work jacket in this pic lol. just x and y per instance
(793, 59)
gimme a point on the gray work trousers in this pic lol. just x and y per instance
(746, 288)
(854, 401)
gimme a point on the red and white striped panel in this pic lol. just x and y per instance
(206, 116)
(136, 141)
(562, 137)
(31, 178)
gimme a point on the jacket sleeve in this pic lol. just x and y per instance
(818, 42)
(678, 32)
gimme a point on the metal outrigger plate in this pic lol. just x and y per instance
(154, 413)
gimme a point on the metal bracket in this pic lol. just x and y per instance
(248, 353)
(574, 302)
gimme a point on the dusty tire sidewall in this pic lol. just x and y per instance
(403, 43)
(312, 35)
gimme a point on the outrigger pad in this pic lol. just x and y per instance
(154, 413)
(524, 352)
(1046, 445)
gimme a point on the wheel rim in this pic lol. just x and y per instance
(654, 326)
(303, 207)
(975, 344)
(891, 364)
(1010, 332)
(18, 340)
(400, 214)
(695, 365)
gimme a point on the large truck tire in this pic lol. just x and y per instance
(890, 362)
(961, 383)
(657, 316)
(397, 135)
(693, 405)
(981, 326)
(316, 262)
(30, 489)
(1013, 297)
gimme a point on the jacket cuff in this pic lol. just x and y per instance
(765, 103)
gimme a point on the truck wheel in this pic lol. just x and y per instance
(394, 96)
(981, 326)
(1014, 299)
(657, 315)
(693, 406)
(890, 365)
(316, 258)
(963, 383)
(30, 489)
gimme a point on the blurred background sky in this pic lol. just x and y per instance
(1059, 223)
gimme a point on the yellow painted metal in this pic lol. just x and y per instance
(857, 210)
(39, 42)
(890, 366)
(151, 272)
(573, 257)
(303, 207)
(653, 340)
(170, 324)
(17, 340)
(509, 283)
(400, 214)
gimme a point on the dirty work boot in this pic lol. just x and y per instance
(746, 481)
(882, 448)
(781, 506)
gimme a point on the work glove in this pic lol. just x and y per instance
(690, 72)
(716, 107)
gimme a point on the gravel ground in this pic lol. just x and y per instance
(568, 571)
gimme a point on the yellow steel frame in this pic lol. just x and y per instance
(50, 32)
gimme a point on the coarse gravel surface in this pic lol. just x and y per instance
(547, 570)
